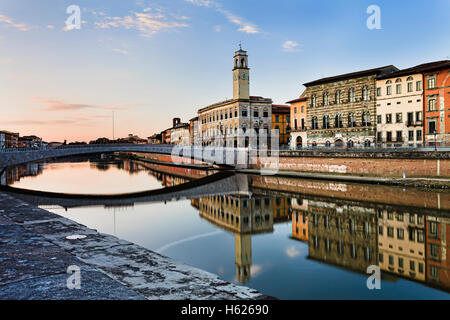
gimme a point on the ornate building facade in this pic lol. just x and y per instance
(342, 109)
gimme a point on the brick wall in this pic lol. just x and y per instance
(367, 166)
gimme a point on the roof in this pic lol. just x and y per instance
(278, 108)
(425, 67)
(298, 100)
(381, 70)
(231, 101)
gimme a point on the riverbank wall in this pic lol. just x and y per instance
(39, 248)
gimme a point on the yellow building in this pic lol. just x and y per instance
(281, 122)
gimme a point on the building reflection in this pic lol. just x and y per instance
(14, 174)
(244, 216)
(403, 244)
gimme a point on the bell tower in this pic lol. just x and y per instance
(241, 75)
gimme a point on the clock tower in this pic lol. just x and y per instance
(241, 75)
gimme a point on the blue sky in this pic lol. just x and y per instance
(150, 61)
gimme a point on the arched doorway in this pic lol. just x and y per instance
(339, 143)
(299, 142)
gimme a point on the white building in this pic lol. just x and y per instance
(400, 108)
(180, 134)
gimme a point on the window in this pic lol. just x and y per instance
(235, 113)
(338, 97)
(338, 121)
(431, 126)
(434, 251)
(351, 95)
(419, 116)
(313, 100)
(410, 118)
(391, 260)
(400, 234)
(419, 135)
(266, 113)
(410, 86)
(379, 119)
(431, 82)
(256, 114)
(400, 263)
(398, 88)
(399, 136)
(365, 118)
(411, 135)
(277, 118)
(244, 113)
(418, 85)
(389, 90)
(295, 109)
(412, 265)
(398, 117)
(301, 109)
(433, 229)
(390, 232)
(388, 118)
(380, 230)
(389, 136)
(365, 93)
(314, 123)
(378, 92)
(326, 122)
(351, 120)
(420, 267)
(325, 99)
(420, 236)
(432, 104)
(379, 136)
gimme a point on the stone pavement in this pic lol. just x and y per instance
(35, 254)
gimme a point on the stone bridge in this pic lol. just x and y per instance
(232, 157)
(221, 183)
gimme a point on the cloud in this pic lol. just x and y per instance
(51, 27)
(292, 252)
(290, 46)
(217, 28)
(10, 22)
(201, 3)
(145, 22)
(121, 51)
(59, 105)
(243, 25)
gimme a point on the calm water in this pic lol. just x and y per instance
(291, 242)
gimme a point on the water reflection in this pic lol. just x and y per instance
(289, 237)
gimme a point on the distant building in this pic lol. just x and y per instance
(194, 133)
(300, 219)
(281, 115)
(8, 139)
(179, 134)
(30, 142)
(298, 123)
(155, 139)
(231, 120)
(165, 136)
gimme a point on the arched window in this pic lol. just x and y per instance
(338, 97)
(388, 82)
(313, 100)
(351, 120)
(351, 95)
(243, 63)
(398, 80)
(326, 121)
(338, 121)
(314, 124)
(328, 144)
(365, 118)
(325, 99)
(365, 93)
(409, 79)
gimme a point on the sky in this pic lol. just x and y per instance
(149, 61)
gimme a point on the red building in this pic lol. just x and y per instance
(436, 79)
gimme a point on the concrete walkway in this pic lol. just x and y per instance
(35, 254)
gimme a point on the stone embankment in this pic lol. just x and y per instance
(37, 247)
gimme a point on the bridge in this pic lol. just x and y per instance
(232, 157)
(222, 183)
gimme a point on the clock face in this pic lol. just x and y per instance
(235, 76)
(244, 76)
